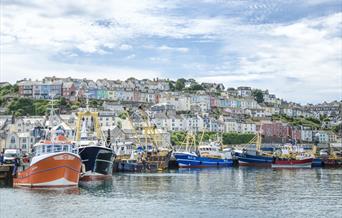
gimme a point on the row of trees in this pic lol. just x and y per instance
(179, 138)
(180, 84)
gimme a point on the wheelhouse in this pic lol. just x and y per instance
(45, 148)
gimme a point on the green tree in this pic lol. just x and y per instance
(172, 86)
(196, 87)
(237, 138)
(258, 95)
(119, 124)
(177, 138)
(337, 128)
(180, 84)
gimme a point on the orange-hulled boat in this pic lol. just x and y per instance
(54, 164)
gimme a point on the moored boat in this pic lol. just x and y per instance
(292, 163)
(54, 164)
(204, 156)
(96, 154)
(291, 156)
(98, 162)
(254, 157)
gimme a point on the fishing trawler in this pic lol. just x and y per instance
(253, 157)
(150, 152)
(55, 161)
(96, 154)
(204, 155)
(292, 156)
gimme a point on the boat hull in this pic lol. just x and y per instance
(98, 162)
(306, 163)
(254, 160)
(193, 161)
(57, 170)
(317, 162)
(333, 163)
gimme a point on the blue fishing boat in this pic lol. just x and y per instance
(206, 156)
(249, 159)
(254, 157)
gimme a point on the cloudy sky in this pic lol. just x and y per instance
(293, 48)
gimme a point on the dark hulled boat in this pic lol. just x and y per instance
(256, 159)
(98, 162)
(96, 154)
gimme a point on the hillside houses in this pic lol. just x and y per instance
(212, 108)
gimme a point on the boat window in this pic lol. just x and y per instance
(57, 148)
(65, 148)
(43, 148)
(49, 149)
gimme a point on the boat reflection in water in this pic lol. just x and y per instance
(55, 191)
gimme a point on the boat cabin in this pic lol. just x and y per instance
(47, 148)
(207, 148)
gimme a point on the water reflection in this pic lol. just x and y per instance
(53, 191)
(239, 192)
(97, 187)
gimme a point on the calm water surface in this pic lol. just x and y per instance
(233, 192)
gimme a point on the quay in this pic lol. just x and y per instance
(6, 177)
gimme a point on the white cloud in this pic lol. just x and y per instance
(167, 48)
(129, 57)
(159, 60)
(19, 66)
(125, 47)
(299, 61)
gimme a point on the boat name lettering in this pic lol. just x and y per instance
(64, 157)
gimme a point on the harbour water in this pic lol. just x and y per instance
(228, 192)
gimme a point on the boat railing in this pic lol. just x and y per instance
(53, 148)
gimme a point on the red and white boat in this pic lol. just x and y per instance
(55, 163)
(292, 156)
(289, 163)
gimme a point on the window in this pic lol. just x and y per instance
(43, 148)
(65, 148)
(57, 148)
(12, 140)
(49, 149)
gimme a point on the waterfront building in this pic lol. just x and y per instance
(244, 91)
(25, 88)
(306, 134)
(69, 90)
(246, 127)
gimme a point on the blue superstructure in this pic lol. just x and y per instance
(246, 159)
